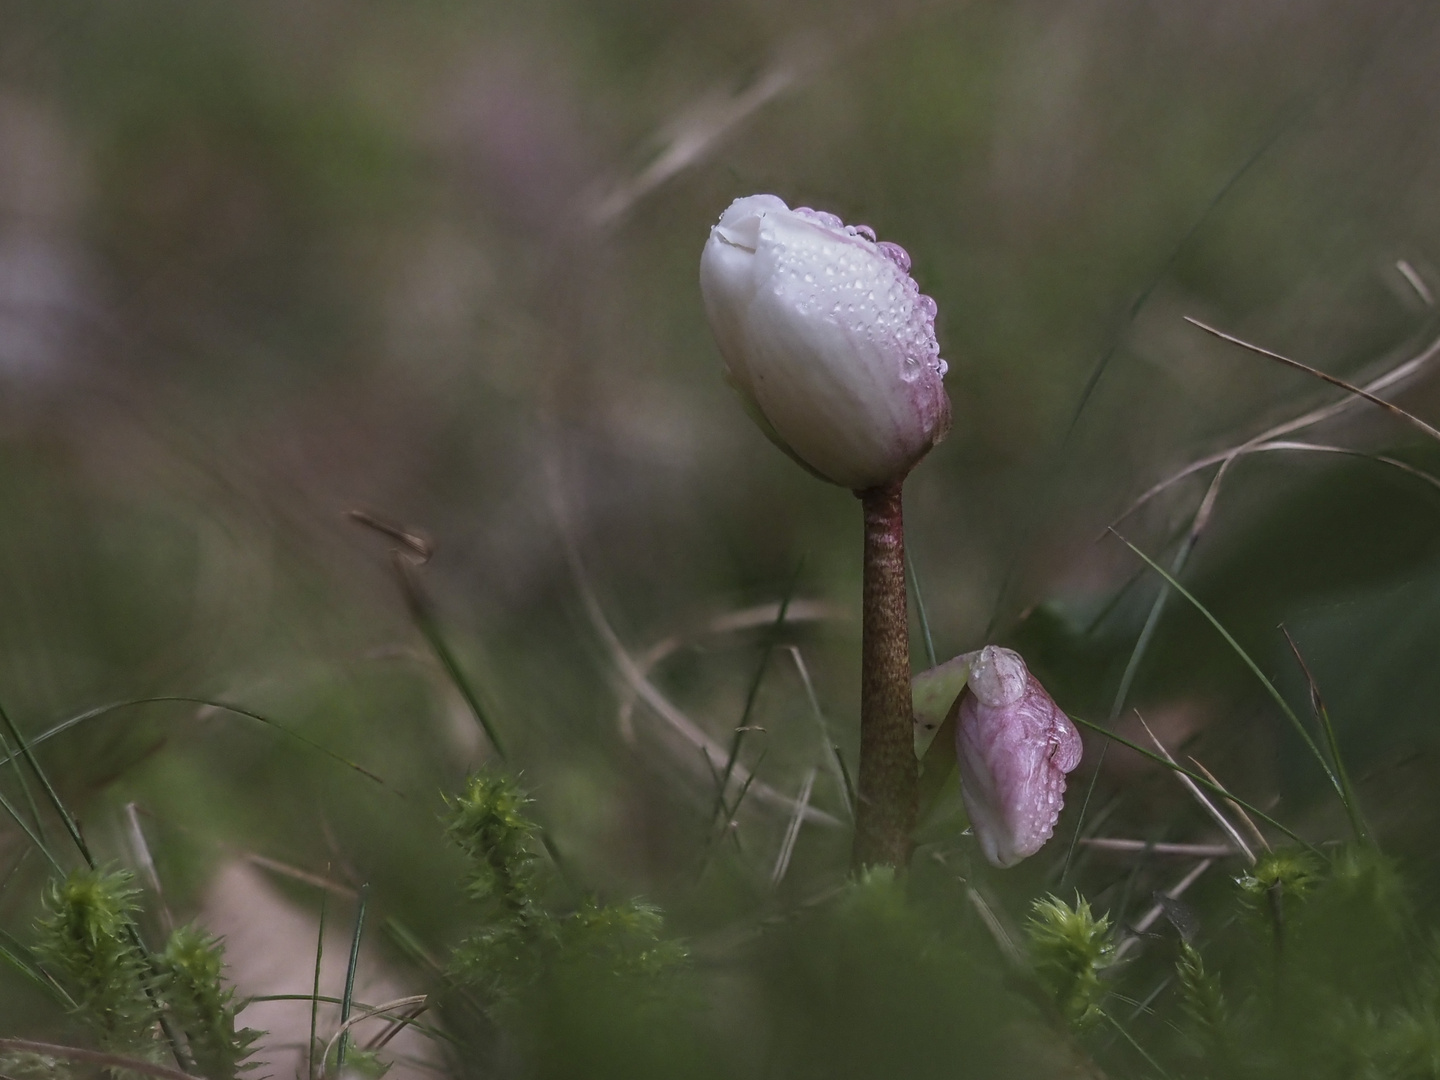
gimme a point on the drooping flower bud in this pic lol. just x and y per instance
(827, 339)
(1014, 747)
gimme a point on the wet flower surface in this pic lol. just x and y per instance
(827, 338)
(1014, 747)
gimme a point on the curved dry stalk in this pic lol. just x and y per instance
(1269, 439)
(731, 622)
(693, 133)
(1388, 406)
(635, 679)
(389, 1006)
(1236, 808)
(1209, 807)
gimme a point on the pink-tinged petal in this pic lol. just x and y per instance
(1014, 747)
(827, 338)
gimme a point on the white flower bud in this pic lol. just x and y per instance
(827, 338)
(1014, 747)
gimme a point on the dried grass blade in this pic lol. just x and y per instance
(1239, 810)
(1388, 406)
(1209, 807)
(830, 750)
(1214, 789)
(1270, 436)
(792, 831)
(753, 693)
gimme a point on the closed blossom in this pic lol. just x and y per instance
(1014, 747)
(827, 339)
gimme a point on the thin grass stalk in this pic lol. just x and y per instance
(315, 993)
(920, 615)
(1127, 679)
(1213, 788)
(167, 1026)
(24, 786)
(349, 996)
(827, 744)
(751, 694)
(1388, 406)
(792, 831)
(114, 706)
(1317, 703)
(1279, 698)
(423, 616)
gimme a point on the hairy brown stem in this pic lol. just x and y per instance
(885, 814)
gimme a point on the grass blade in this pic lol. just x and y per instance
(920, 611)
(792, 831)
(315, 994)
(14, 761)
(9, 808)
(1210, 808)
(1137, 655)
(19, 957)
(177, 1048)
(1254, 667)
(1388, 406)
(751, 694)
(1317, 703)
(348, 1000)
(236, 710)
(1213, 788)
(65, 816)
(827, 744)
(422, 613)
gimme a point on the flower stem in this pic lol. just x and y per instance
(885, 811)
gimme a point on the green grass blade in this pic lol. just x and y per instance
(1127, 679)
(920, 611)
(1322, 714)
(9, 808)
(315, 995)
(1204, 781)
(236, 710)
(24, 786)
(1159, 1069)
(1279, 698)
(422, 613)
(177, 1047)
(348, 1000)
(54, 796)
(20, 958)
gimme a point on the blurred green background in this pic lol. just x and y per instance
(265, 263)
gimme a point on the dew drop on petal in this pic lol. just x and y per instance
(896, 254)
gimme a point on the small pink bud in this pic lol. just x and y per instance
(1014, 747)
